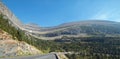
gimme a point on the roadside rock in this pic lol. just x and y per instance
(10, 47)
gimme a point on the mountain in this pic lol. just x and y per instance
(15, 39)
(101, 28)
(11, 37)
(9, 15)
(92, 39)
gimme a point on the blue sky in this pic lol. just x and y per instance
(47, 13)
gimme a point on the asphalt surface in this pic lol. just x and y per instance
(48, 56)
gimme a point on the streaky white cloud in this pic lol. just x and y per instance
(106, 14)
(101, 17)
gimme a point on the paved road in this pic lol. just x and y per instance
(48, 56)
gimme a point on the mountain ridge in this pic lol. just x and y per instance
(81, 29)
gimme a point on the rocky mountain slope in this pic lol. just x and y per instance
(10, 47)
(89, 28)
(11, 37)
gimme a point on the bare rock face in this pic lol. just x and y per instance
(10, 47)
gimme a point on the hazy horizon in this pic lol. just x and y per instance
(47, 13)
